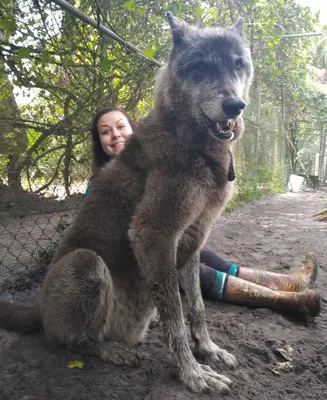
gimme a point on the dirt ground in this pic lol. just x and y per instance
(272, 234)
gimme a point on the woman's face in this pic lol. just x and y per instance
(114, 130)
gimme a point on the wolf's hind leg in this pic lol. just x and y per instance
(189, 277)
(77, 304)
(112, 352)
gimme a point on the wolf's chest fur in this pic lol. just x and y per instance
(195, 185)
(213, 191)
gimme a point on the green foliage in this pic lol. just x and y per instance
(129, 5)
(46, 254)
(149, 52)
(105, 64)
(254, 184)
(320, 58)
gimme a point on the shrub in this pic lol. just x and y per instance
(256, 183)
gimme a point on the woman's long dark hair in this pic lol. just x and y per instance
(99, 156)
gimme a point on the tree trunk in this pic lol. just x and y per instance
(14, 170)
(13, 139)
(322, 154)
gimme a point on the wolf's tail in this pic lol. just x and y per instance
(20, 318)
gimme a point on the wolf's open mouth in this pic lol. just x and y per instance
(225, 126)
(222, 130)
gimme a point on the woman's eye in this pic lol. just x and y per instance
(238, 64)
(121, 127)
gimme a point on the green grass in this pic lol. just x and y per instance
(254, 184)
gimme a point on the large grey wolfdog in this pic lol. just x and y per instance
(138, 233)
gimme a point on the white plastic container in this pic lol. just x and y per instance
(295, 182)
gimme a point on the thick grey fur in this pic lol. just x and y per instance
(139, 232)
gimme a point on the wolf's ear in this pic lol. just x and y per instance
(178, 28)
(239, 27)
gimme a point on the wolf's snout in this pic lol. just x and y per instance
(233, 106)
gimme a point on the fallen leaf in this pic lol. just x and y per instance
(286, 353)
(274, 371)
(286, 366)
(75, 364)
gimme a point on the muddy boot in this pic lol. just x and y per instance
(220, 286)
(296, 282)
(239, 291)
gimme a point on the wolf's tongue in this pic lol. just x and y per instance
(226, 125)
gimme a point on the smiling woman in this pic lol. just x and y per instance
(114, 129)
(111, 127)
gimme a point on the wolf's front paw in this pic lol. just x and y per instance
(119, 354)
(211, 352)
(202, 379)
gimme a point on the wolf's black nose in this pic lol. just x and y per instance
(233, 106)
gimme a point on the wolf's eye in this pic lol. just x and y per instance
(238, 64)
(197, 70)
(201, 66)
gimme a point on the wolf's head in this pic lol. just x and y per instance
(207, 78)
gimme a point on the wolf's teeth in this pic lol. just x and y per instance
(225, 126)
(231, 124)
